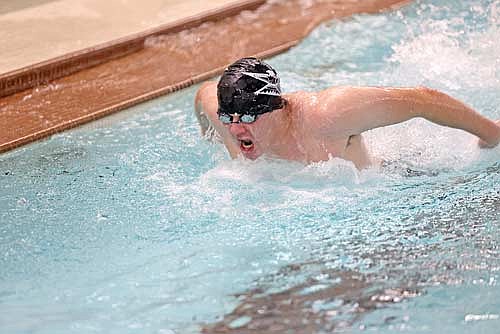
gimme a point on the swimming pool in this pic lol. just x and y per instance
(135, 224)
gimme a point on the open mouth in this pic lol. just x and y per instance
(246, 145)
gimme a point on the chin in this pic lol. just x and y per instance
(251, 154)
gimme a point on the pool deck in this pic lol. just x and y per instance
(66, 66)
(39, 30)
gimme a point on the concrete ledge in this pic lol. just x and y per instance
(44, 72)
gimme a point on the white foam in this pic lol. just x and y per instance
(422, 144)
(444, 54)
(481, 317)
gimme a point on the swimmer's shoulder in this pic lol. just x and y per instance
(335, 91)
(207, 90)
(206, 98)
(313, 98)
(300, 98)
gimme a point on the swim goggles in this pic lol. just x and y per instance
(243, 118)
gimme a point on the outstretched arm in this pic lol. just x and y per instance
(352, 110)
(205, 105)
(201, 108)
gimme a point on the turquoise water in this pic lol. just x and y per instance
(135, 224)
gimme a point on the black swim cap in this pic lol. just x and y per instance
(249, 86)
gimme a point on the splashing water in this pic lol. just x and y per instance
(136, 224)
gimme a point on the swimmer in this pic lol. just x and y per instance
(252, 118)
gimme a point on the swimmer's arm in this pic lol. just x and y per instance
(359, 109)
(206, 113)
(202, 118)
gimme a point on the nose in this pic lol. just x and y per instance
(236, 118)
(236, 128)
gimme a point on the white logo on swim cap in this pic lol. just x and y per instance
(270, 79)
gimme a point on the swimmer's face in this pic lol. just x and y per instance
(252, 138)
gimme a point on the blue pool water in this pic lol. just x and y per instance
(135, 224)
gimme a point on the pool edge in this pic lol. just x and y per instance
(35, 132)
(43, 72)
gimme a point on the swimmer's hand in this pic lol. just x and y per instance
(483, 144)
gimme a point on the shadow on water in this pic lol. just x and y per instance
(311, 306)
(323, 298)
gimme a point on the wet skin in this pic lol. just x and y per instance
(314, 126)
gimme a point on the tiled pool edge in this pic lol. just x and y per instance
(19, 126)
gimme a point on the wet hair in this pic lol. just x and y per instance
(249, 86)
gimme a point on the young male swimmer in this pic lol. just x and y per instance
(252, 118)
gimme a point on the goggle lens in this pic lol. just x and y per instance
(225, 118)
(248, 118)
(245, 118)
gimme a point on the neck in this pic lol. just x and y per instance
(284, 142)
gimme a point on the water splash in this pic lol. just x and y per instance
(444, 53)
(172, 235)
